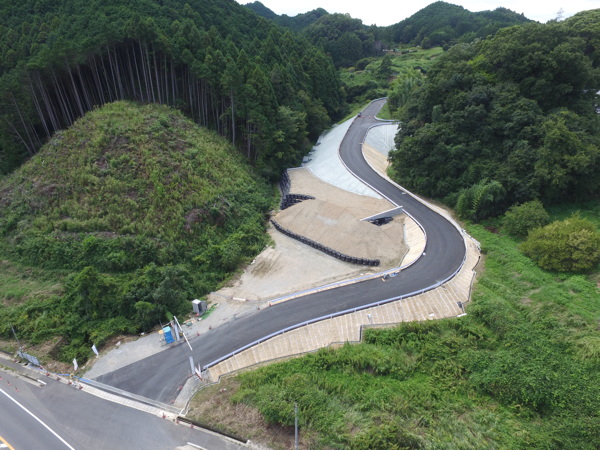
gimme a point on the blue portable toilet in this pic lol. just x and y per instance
(168, 335)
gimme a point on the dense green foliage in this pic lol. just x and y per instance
(266, 90)
(521, 370)
(480, 201)
(348, 40)
(138, 191)
(126, 186)
(395, 76)
(516, 109)
(296, 23)
(442, 23)
(522, 218)
(568, 245)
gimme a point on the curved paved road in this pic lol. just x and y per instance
(159, 376)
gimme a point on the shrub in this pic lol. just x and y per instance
(481, 200)
(520, 219)
(570, 245)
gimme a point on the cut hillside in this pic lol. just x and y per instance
(117, 223)
(128, 185)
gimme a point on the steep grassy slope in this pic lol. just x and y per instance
(127, 185)
(165, 207)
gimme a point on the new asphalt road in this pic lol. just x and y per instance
(159, 376)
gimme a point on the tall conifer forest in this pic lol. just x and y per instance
(265, 89)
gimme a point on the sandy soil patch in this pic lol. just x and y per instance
(375, 159)
(333, 219)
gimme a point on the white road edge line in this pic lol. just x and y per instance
(36, 418)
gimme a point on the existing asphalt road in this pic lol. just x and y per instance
(58, 416)
(159, 376)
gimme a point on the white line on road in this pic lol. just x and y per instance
(39, 420)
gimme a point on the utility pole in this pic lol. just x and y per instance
(296, 426)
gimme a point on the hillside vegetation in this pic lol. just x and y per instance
(506, 120)
(520, 370)
(295, 23)
(348, 40)
(442, 23)
(141, 192)
(268, 91)
(392, 76)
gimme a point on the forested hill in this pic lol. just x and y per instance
(507, 119)
(142, 182)
(143, 208)
(443, 23)
(348, 40)
(295, 23)
(263, 88)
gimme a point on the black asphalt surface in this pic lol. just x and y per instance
(160, 376)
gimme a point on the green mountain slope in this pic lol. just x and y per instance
(295, 23)
(127, 185)
(506, 120)
(443, 23)
(348, 40)
(230, 70)
(120, 219)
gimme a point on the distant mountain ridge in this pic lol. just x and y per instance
(440, 22)
(295, 23)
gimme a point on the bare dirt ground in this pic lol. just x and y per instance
(333, 219)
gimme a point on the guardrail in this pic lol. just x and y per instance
(333, 315)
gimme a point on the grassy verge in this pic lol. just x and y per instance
(363, 84)
(385, 113)
(521, 370)
(20, 283)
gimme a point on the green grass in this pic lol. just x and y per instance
(385, 113)
(127, 185)
(521, 370)
(416, 57)
(588, 210)
(19, 283)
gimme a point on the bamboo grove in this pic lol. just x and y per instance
(266, 90)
